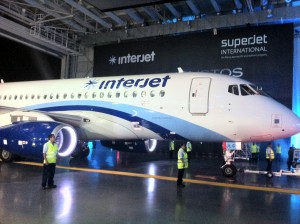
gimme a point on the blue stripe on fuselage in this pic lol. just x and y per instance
(146, 118)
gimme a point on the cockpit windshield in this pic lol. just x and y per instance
(245, 90)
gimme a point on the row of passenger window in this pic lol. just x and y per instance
(86, 95)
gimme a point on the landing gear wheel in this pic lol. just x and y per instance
(81, 152)
(229, 170)
(269, 174)
(6, 156)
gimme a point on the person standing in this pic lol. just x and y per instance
(50, 151)
(278, 152)
(290, 158)
(181, 164)
(189, 151)
(171, 149)
(270, 156)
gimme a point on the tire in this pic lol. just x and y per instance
(81, 153)
(6, 156)
(269, 174)
(229, 170)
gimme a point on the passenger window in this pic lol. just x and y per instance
(72, 95)
(86, 95)
(234, 89)
(94, 94)
(45, 96)
(152, 93)
(109, 94)
(118, 94)
(16, 96)
(5, 97)
(143, 94)
(65, 96)
(79, 95)
(134, 94)
(38, 96)
(21, 97)
(162, 93)
(126, 94)
(57, 96)
(51, 96)
(101, 95)
(10, 96)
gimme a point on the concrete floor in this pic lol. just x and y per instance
(115, 187)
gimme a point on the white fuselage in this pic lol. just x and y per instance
(194, 106)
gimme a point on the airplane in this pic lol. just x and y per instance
(133, 112)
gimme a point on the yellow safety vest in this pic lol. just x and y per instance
(188, 147)
(51, 152)
(171, 146)
(278, 149)
(253, 148)
(272, 154)
(184, 164)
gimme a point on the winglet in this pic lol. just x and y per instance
(180, 70)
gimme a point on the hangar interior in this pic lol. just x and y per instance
(120, 187)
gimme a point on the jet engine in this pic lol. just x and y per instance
(132, 145)
(26, 139)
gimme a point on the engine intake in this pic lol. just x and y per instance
(26, 139)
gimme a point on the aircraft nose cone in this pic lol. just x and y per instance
(293, 124)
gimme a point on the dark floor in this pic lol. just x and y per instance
(89, 197)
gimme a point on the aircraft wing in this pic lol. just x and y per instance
(74, 120)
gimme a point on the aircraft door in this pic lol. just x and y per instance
(199, 94)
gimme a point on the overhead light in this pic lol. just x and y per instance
(79, 2)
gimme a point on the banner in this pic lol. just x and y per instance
(261, 54)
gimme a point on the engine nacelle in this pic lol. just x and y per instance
(26, 139)
(131, 146)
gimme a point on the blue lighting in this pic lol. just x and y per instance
(295, 140)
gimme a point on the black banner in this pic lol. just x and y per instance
(260, 54)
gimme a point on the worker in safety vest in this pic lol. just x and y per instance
(278, 152)
(181, 164)
(50, 151)
(270, 156)
(253, 149)
(171, 148)
(189, 151)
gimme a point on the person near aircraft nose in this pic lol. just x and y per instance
(189, 150)
(171, 149)
(50, 151)
(270, 156)
(278, 152)
(181, 164)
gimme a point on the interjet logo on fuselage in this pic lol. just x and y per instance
(132, 58)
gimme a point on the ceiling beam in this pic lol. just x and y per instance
(85, 11)
(280, 15)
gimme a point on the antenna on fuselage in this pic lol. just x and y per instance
(180, 70)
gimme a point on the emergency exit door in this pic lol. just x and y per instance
(199, 94)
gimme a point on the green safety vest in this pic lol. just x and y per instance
(51, 152)
(185, 160)
(188, 147)
(272, 154)
(171, 146)
(278, 149)
(253, 148)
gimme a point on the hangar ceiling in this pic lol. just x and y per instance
(66, 27)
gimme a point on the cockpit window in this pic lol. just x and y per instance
(246, 90)
(259, 90)
(234, 89)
